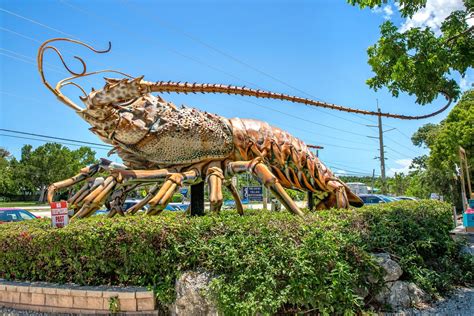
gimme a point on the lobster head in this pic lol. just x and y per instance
(101, 106)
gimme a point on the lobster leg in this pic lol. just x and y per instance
(214, 179)
(77, 200)
(84, 173)
(235, 195)
(96, 198)
(172, 183)
(132, 210)
(263, 174)
(118, 199)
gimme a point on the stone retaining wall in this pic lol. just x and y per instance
(45, 297)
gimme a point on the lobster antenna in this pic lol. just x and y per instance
(57, 91)
(186, 87)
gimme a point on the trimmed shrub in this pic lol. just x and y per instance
(263, 262)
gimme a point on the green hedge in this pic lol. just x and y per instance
(263, 262)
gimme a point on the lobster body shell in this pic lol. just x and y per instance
(290, 159)
(152, 133)
(148, 132)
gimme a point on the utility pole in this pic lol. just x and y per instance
(197, 199)
(382, 151)
(310, 194)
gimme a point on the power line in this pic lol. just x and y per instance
(397, 152)
(345, 166)
(300, 118)
(326, 144)
(31, 63)
(36, 22)
(52, 137)
(235, 59)
(222, 53)
(406, 147)
(320, 134)
(45, 141)
(22, 97)
(28, 58)
(137, 35)
(245, 100)
(19, 34)
(41, 24)
(349, 172)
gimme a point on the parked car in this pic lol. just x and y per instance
(126, 205)
(15, 215)
(131, 202)
(375, 198)
(390, 198)
(228, 205)
(408, 198)
(178, 207)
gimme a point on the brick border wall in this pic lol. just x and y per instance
(45, 297)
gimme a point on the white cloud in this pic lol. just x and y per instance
(340, 172)
(387, 11)
(404, 167)
(465, 84)
(433, 14)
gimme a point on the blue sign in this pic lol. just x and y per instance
(184, 191)
(252, 193)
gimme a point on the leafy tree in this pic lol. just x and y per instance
(437, 172)
(7, 185)
(418, 61)
(4, 154)
(426, 135)
(47, 164)
(398, 184)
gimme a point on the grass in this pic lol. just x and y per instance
(21, 204)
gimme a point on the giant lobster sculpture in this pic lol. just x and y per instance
(167, 147)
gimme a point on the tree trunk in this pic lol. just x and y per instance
(42, 197)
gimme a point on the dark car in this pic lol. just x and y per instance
(406, 198)
(374, 198)
(15, 215)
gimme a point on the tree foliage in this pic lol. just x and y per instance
(37, 168)
(398, 184)
(437, 172)
(6, 179)
(418, 61)
(407, 7)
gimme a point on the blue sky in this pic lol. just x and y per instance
(318, 47)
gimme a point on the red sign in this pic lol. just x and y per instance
(59, 214)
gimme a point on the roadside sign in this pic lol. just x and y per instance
(59, 214)
(184, 192)
(252, 193)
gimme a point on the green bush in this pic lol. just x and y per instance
(263, 262)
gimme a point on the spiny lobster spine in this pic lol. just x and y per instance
(186, 87)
